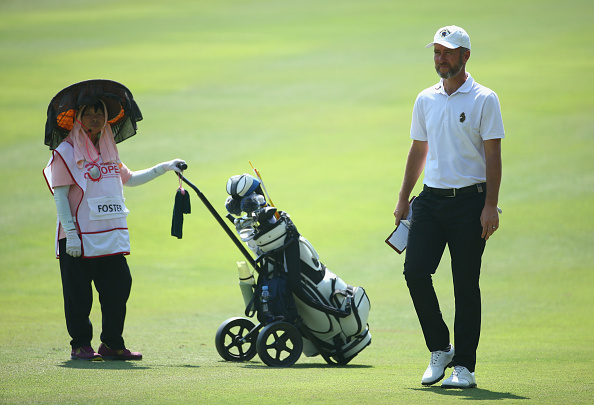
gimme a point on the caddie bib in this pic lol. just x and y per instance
(101, 213)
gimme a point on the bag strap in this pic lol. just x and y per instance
(293, 263)
(348, 294)
(250, 309)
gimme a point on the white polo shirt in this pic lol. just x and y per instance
(455, 127)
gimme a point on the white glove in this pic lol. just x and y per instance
(73, 245)
(146, 175)
(172, 165)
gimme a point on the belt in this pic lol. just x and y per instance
(454, 192)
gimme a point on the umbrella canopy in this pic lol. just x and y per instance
(122, 110)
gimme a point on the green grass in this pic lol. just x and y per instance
(318, 95)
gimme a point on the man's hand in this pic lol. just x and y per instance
(489, 221)
(401, 210)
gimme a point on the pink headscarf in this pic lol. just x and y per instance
(84, 148)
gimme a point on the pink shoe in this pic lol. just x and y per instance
(85, 353)
(123, 354)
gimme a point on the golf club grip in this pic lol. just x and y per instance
(182, 166)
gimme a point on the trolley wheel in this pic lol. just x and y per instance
(234, 341)
(279, 344)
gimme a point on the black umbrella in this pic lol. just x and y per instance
(122, 110)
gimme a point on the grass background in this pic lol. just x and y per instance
(318, 95)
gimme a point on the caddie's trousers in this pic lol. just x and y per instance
(112, 279)
(453, 221)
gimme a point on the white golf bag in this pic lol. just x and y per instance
(330, 314)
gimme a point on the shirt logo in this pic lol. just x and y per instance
(93, 172)
(462, 117)
(96, 172)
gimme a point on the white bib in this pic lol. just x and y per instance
(101, 214)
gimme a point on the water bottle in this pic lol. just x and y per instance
(265, 299)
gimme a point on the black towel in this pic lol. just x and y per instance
(181, 207)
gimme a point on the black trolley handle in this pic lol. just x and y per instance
(219, 219)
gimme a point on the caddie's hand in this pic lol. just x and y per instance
(73, 245)
(172, 165)
(401, 210)
(489, 221)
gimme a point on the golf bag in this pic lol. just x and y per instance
(330, 314)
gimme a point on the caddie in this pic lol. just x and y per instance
(86, 177)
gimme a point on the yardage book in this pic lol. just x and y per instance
(398, 239)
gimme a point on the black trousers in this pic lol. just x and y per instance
(113, 282)
(453, 221)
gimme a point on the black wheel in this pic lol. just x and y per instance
(233, 342)
(279, 344)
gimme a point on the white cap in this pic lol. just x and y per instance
(451, 37)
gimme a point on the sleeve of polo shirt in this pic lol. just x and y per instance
(60, 173)
(491, 121)
(418, 129)
(125, 173)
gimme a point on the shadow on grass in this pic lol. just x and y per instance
(472, 394)
(103, 365)
(116, 365)
(307, 365)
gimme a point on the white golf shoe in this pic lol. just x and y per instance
(460, 378)
(437, 365)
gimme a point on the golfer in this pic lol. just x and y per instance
(456, 136)
(86, 176)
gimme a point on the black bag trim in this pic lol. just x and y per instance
(293, 260)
